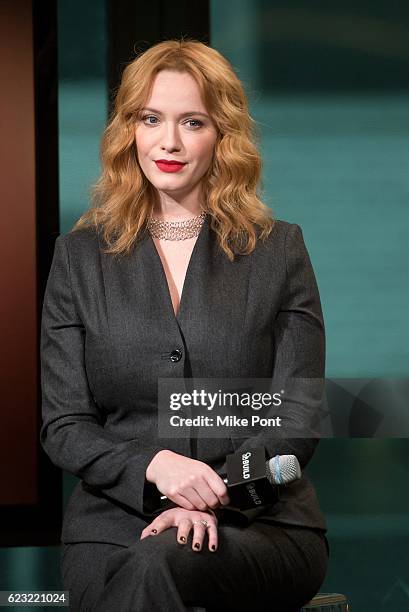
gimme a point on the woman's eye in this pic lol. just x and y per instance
(199, 123)
(148, 117)
(196, 121)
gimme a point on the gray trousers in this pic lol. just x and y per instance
(262, 567)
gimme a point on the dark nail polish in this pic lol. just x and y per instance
(197, 545)
(154, 530)
(213, 547)
(182, 539)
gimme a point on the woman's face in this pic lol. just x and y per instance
(175, 125)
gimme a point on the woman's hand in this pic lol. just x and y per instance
(183, 520)
(189, 483)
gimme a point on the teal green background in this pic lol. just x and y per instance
(327, 86)
(333, 117)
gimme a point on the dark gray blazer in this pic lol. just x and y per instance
(108, 332)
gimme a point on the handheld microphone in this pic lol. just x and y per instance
(252, 481)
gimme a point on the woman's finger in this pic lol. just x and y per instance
(213, 537)
(182, 502)
(184, 528)
(159, 524)
(208, 494)
(199, 531)
(196, 499)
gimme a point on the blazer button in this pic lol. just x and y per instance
(176, 355)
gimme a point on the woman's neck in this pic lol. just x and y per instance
(168, 209)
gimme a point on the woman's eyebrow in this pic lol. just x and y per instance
(188, 113)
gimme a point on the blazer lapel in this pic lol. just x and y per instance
(214, 303)
(153, 259)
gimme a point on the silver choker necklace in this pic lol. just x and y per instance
(176, 230)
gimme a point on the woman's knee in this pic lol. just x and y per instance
(155, 551)
(82, 571)
(162, 553)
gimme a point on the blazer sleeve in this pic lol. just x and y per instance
(299, 353)
(72, 433)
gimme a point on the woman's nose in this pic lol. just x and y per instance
(171, 135)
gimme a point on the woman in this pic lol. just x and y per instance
(177, 271)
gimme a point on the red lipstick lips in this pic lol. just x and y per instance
(169, 165)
